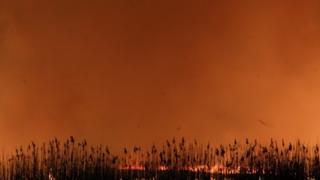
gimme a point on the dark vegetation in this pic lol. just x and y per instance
(73, 160)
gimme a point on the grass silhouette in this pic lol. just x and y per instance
(175, 159)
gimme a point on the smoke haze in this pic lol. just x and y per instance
(137, 71)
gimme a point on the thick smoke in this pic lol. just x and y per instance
(136, 72)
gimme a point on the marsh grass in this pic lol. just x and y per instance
(175, 159)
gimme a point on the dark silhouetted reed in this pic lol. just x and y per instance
(175, 159)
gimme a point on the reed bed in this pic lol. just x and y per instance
(175, 159)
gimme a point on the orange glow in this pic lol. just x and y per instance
(202, 168)
(129, 72)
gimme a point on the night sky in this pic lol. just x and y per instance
(124, 72)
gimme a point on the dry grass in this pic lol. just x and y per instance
(173, 160)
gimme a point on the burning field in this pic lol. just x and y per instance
(175, 159)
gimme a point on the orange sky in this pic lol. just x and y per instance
(123, 72)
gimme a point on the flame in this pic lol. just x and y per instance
(203, 168)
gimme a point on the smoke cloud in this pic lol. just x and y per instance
(136, 72)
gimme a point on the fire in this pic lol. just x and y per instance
(202, 168)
